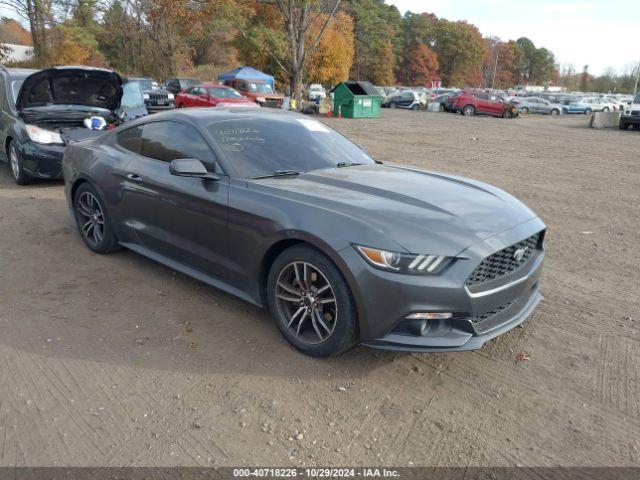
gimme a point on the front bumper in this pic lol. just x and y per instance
(385, 299)
(155, 107)
(630, 120)
(42, 161)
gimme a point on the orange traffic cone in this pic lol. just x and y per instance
(330, 112)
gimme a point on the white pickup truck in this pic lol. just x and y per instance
(631, 114)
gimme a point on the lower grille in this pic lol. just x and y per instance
(504, 262)
(487, 315)
(635, 112)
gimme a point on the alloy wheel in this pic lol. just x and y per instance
(90, 218)
(306, 302)
(15, 162)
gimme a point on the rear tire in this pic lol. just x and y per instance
(393, 105)
(93, 220)
(555, 112)
(415, 108)
(524, 110)
(311, 302)
(15, 162)
(588, 111)
(605, 109)
(181, 105)
(468, 110)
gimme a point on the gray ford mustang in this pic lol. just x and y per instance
(284, 212)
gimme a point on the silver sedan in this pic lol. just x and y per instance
(538, 105)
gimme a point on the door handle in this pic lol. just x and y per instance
(134, 178)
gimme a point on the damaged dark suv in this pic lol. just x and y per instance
(43, 111)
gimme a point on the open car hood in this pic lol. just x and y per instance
(92, 87)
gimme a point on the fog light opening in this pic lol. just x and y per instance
(417, 327)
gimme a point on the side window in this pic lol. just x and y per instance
(3, 93)
(168, 141)
(130, 139)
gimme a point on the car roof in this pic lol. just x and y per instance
(204, 116)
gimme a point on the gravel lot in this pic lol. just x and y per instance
(115, 360)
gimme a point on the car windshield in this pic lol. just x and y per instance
(16, 85)
(258, 147)
(260, 87)
(132, 95)
(637, 99)
(223, 93)
(149, 85)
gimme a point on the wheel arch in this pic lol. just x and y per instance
(7, 142)
(282, 244)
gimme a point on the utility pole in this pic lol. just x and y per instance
(635, 89)
(495, 69)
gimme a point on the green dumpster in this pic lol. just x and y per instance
(356, 100)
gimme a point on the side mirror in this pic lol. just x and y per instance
(190, 167)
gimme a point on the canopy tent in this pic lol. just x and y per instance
(246, 73)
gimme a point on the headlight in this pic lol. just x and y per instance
(261, 99)
(404, 262)
(170, 96)
(40, 135)
(146, 96)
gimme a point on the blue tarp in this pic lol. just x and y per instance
(246, 73)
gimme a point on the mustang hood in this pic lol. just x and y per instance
(421, 211)
(92, 87)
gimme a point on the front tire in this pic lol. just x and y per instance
(15, 162)
(311, 302)
(93, 221)
(468, 111)
(588, 111)
(393, 105)
(555, 112)
(524, 110)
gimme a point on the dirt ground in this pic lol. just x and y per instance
(116, 361)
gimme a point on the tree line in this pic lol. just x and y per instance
(298, 41)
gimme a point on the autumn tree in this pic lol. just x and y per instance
(40, 15)
(420, 65)
(332, 59)
(461, 51)
(12, 32)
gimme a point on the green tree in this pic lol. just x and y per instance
(379, 40)
(461, 52)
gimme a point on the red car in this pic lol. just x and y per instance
(472, 103)
(212, 95)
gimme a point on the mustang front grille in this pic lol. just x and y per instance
(504, 262)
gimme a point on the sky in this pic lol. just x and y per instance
(598, 33)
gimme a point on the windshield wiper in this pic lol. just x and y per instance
(279, 173)
(347, 164)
